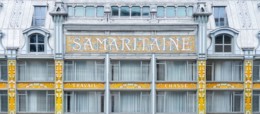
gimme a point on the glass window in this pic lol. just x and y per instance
(100, 11)
(224, 70)
(79, 11)
(36, 43)
(223, 43)
(124, 11)
(90, 11)
(220, 16)
(170, 11)
(185, 100)
(136, 11)
(3, 71)
(3, 101)
(39, 16)
(181, 11)
(256, 101)
(189, 11)
(256, 71)
(224, 101)
(146, 11)
(160, 11)
(71, 11)
(115, 11)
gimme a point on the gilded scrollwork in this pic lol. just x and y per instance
(201, 87)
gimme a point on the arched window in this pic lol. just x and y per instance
(223, 43)
(36, 43)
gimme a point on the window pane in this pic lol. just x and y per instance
(146, 11)
(41, 48)
(181, 11)
(256, 73)
(33, 38)
(218, 48)
(39, 16)
(220, 16)
(32, 48)
(40, 38)
(227, 48)
(237, 104)
(115, 10)
(125, 11)
(90, 11)
(170, 11)
(136, 11)
(219, 39)
(79, 11)
(160, 11)
(227, 40)
(70, 11)
(256, 103)
(100, 11)
(189, 11)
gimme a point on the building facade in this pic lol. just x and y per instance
(129, 57)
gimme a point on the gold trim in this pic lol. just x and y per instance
(35, 85)
(84, 85)
(11, 86)
(224, 86)
(130, 86)
(58, 86)
(201, 87)
(3, 85)
(176, 85)
(248, 67)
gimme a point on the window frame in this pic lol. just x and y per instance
(36, 43)
(225, 17)
(34, 19)
(223, 43)
(119, 16)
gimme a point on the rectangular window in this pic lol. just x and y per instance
(84, 101)
(136, 11)
(79, 11)
(81, 70)
(256, 101)
(176, 102)
(146, 11)
(160, 11)
(36, 70)
(220, 16)
(256, 71)
(3, 71)
(35, 101)
(130, 102)
(115, 11)
(100, 11)
(224, 101)
(3, 101)
(124, 11)
(39, 16)
(181, 11)
(176, 71)
(71, 11)
(90, 11)
(170, 11)
(223, 70)
(189, 11)
(130, 70)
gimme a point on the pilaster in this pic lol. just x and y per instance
(153, 89)
(59, 66)
(248, 79)
(11, 64)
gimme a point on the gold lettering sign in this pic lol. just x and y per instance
(83, 85)
(230, 85)
(176, 85)
(130, 44)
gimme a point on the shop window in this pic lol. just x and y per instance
(130, 70)
(224, 70)
(176, 71)
(39, 16)
(84, 70)
(225, 102)
(220, 16)
(35, 101)
(134, 102)
(83, 102)
(186, 101)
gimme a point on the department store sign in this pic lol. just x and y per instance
(131, 44)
